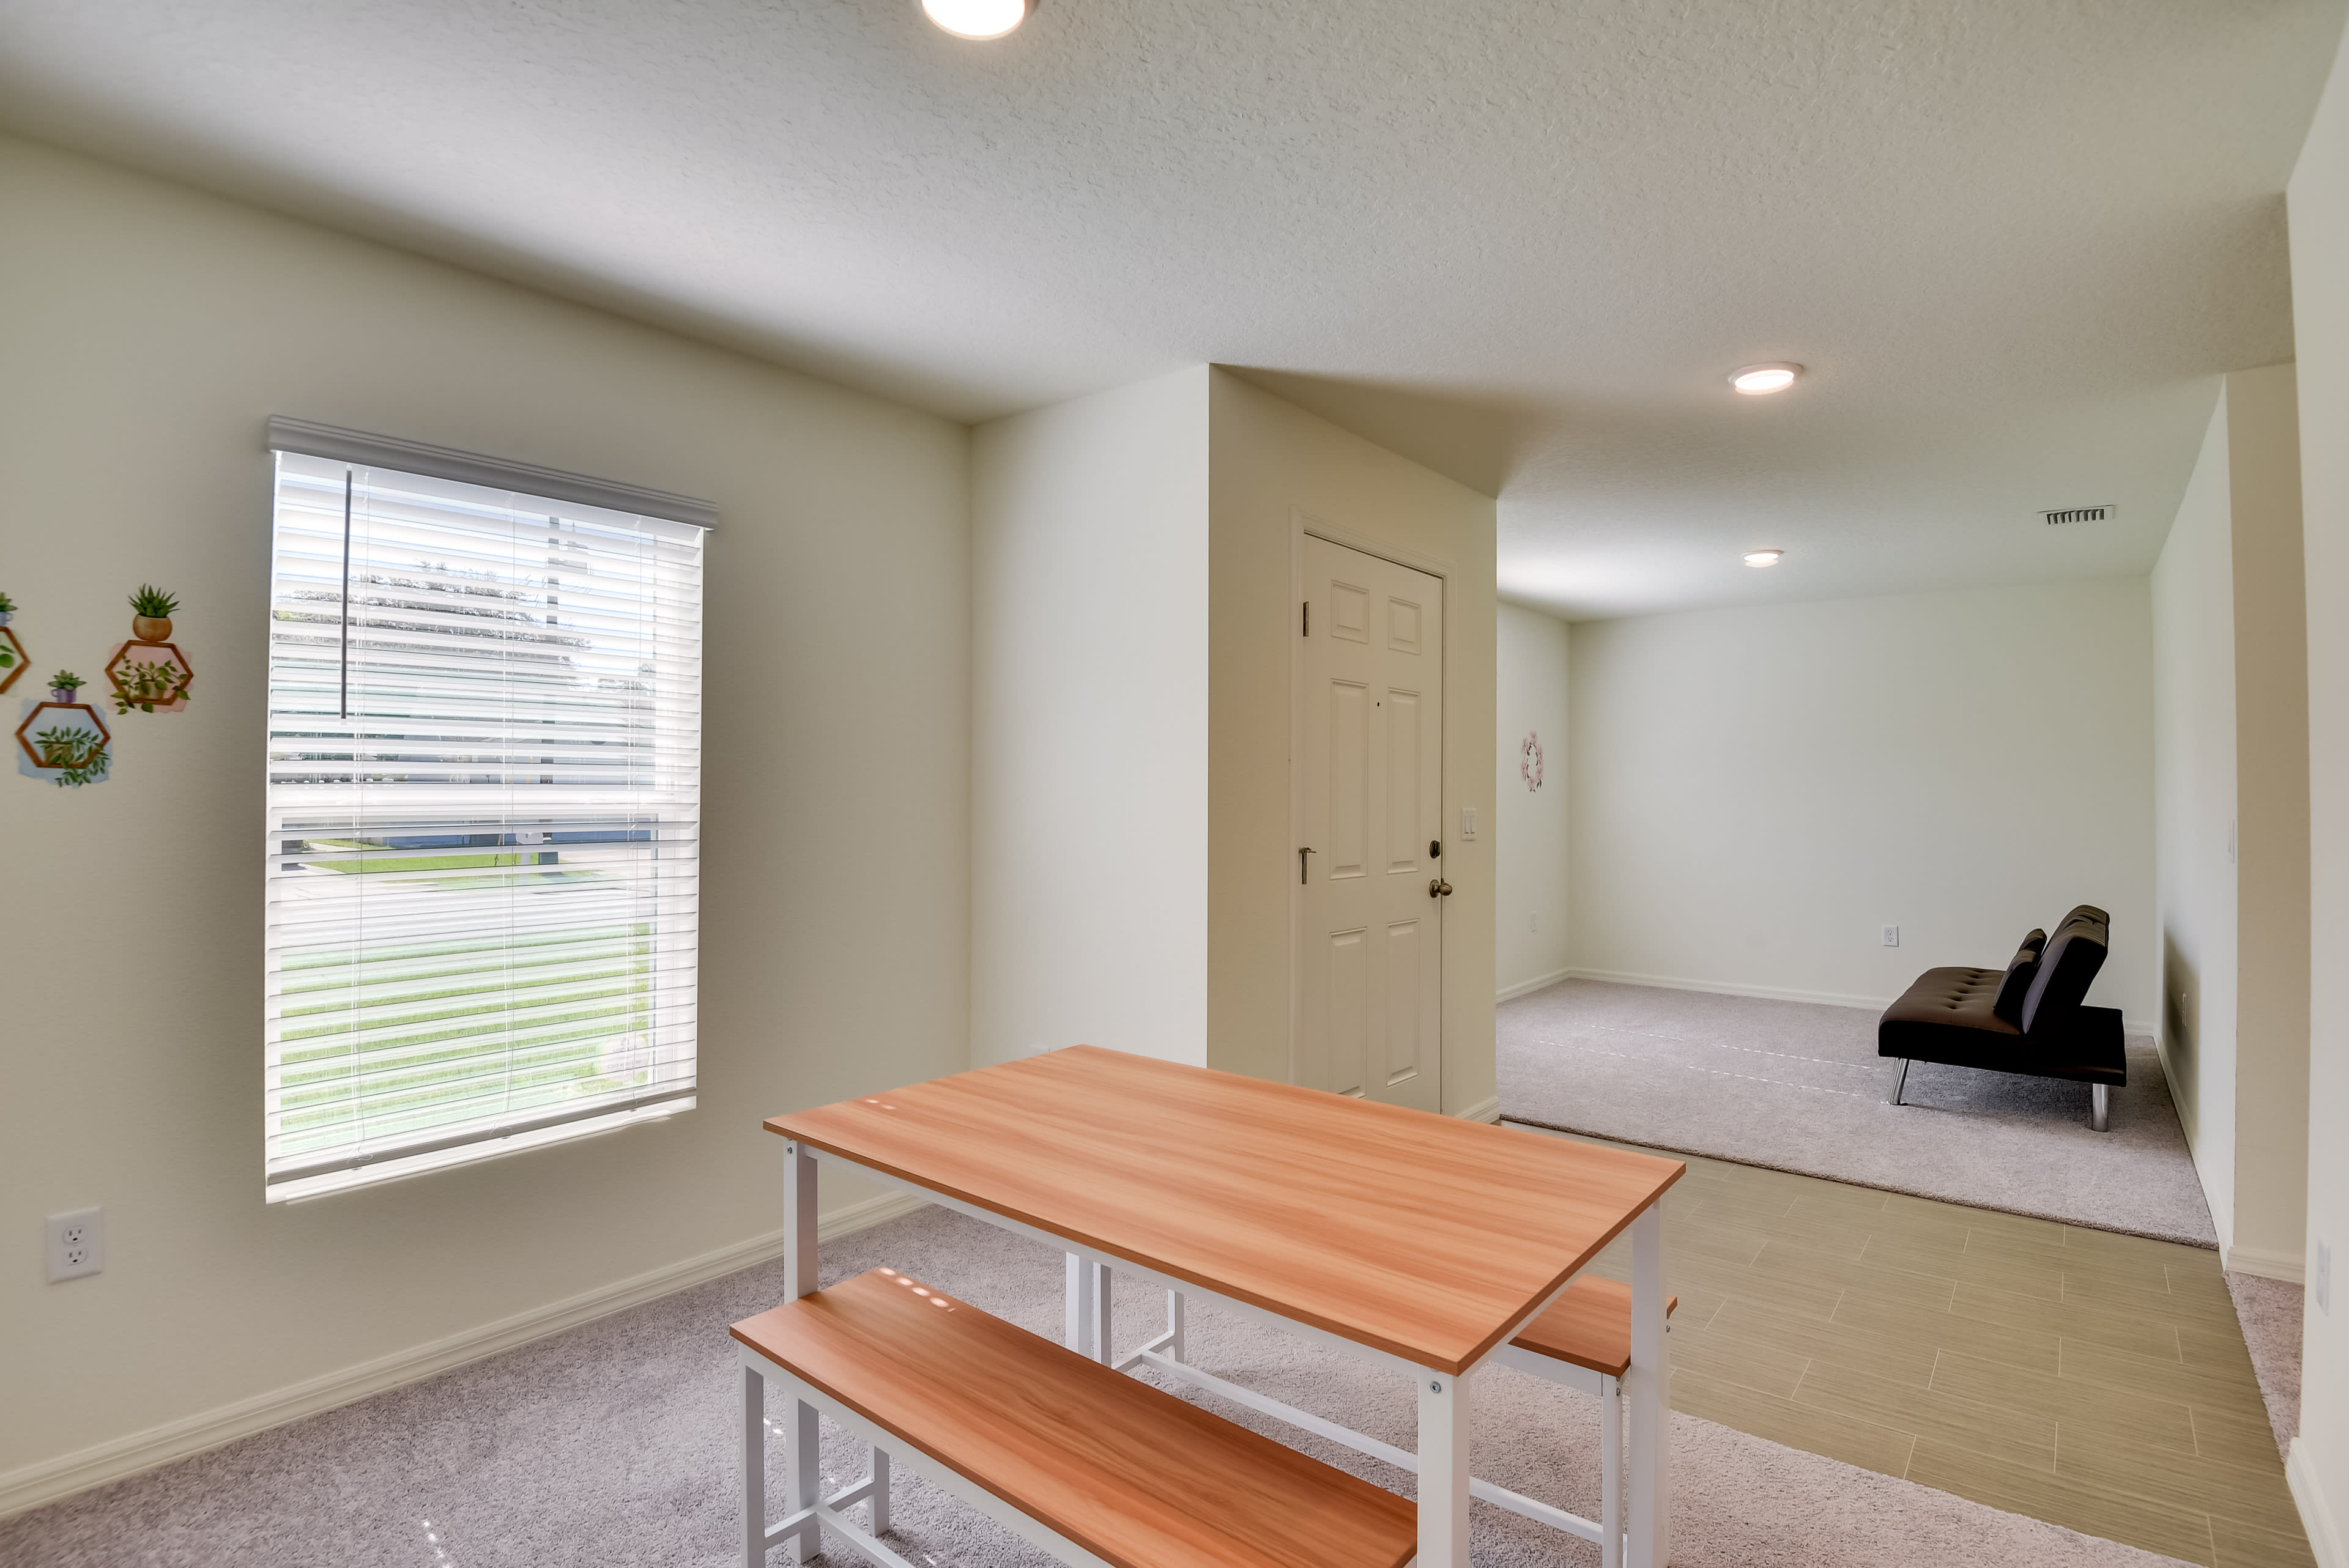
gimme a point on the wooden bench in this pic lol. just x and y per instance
(1093, 1467)
(1583, 1339)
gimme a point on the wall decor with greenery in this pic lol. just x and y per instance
(62, 737)
(13, 657)
(149, 673)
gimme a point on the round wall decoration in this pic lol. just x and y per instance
(1529, 760)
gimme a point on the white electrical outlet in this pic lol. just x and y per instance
(2324, 1278)
(1891, 936)
(76, 1243)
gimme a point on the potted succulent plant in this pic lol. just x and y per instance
(8, 609)
(65, 686)
(150, 613)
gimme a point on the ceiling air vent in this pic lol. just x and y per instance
(2079, 514)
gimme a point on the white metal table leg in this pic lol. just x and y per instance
(803, 1436)
(1078, 1308)
(1442, 1470)
(754, 1469)
(1086, 1316)
(1175, 1325)
(1646, 1386)
(1611, 1473)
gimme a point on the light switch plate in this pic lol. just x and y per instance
(1467, 822)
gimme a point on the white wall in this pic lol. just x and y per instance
(2272, 808)
(2319, 205)
(2194, 815)
(146, 333)
(1754, 792)
(1275, 464)
(1089, 687)
(1529, 826)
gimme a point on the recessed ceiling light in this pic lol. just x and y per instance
(1763, 557)
(977, 18)
(1757, 379)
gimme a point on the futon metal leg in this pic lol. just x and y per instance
(1611, 1472)
(2099, 1104)
(754, 1469)
(1900, 1081)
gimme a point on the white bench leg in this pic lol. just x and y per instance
(1611, 1472)
(803, 1461)
(754, 1469)
(877, 1505)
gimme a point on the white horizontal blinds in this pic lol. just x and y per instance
(484, 755)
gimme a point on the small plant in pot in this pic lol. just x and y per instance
(65, 686)
(150, 613)
(8, 609)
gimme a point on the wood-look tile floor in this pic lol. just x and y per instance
(2095, 1380)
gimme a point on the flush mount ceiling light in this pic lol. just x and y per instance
(1757, 379)
(977, 18)
(1763, 557)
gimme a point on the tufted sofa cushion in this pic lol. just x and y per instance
(1959, 998)
(2020, 972)
(2074, 956)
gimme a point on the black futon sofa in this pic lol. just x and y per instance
(2026, 1018)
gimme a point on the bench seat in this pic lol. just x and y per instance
(1588, 1325)
(1117, 1468)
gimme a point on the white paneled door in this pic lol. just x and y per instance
(1370, 938)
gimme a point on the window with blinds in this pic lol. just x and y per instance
(483, 799)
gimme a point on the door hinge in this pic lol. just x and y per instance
(1305, 626)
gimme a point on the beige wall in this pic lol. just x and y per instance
(1274, 463)
(1089, 684)
(146, 332)
(2319, 205)
(2272, 835)
(1756, 792)
(2194, 817)
(1530, 868)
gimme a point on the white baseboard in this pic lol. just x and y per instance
(52, 1479)
(1727, 988)
(1482, 1110)
(1526, 987)
(2315, 1516)
(2291, 1268)
(1767, 993)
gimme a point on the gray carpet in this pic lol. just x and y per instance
(610, 1445)
(2270, 1311)
(1796, 1086)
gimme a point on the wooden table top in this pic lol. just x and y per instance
(1422, 1235)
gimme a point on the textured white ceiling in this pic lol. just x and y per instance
(1522, 241)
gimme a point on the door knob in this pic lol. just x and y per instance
(1439, 887)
